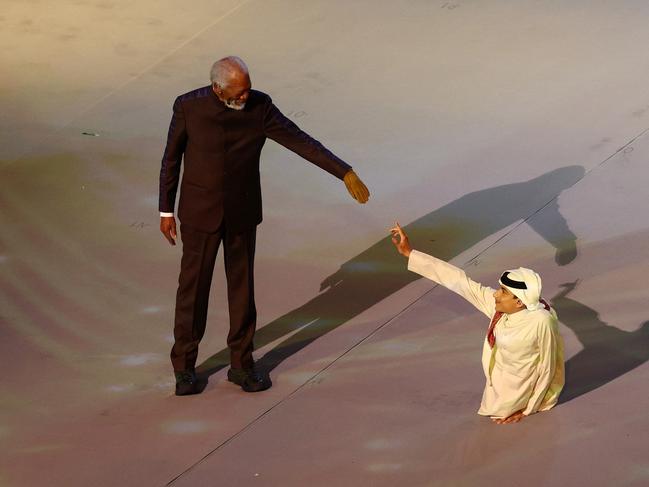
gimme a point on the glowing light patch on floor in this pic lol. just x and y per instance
(151, 310)
(140, 359)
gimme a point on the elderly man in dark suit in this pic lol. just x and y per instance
(220, 130)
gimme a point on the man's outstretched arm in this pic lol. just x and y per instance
(441, 272)
(283, 131)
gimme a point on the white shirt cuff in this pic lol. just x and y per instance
(166, 214)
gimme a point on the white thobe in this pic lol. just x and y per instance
(525, 369)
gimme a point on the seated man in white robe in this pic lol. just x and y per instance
(522, 355)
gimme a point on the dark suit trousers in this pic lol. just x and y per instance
(196, 268)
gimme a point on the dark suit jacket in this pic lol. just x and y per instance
(221, 149)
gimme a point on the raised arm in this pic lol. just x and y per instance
(441, 272)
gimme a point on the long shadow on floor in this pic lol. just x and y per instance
(608, 352)
(379, 271)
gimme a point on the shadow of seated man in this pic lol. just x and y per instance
(608, 352)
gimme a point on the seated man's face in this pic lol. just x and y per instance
(506, 302)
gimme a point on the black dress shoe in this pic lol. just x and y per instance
(249, 379)
(186, 383)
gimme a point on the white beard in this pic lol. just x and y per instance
(235, 105)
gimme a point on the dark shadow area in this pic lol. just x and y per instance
(608, 352)
(380, 271)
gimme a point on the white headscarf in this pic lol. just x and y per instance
(525, 284)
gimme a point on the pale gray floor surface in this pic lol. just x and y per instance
(500, 133)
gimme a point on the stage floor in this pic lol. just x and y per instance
(498, 133)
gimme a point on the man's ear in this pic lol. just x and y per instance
(520, 304)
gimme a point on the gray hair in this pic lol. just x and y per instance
(223, 70)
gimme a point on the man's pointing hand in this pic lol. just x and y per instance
(400, 240)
